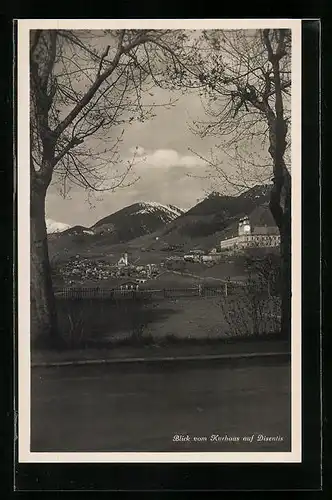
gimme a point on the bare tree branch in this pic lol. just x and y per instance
(98, 82)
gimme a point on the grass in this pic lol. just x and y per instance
(100, 329)
(86, 323)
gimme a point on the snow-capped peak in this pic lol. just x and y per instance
(53, 226)
(147, 207)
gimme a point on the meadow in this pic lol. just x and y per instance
(238, 311)
(144, 320)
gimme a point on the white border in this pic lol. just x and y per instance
(24, 454)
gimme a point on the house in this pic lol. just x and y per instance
(211, 257)
(251, 237)
(129, 285)
(194, 256)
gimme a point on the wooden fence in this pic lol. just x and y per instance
(102, 293)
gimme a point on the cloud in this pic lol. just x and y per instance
(166, 158)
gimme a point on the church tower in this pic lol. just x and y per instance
(123, 261)
(244, 226)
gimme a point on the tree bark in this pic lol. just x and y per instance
(280, 200)
(286, 281)
(280, 206)
(43, 311)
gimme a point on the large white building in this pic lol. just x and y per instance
(251, 237)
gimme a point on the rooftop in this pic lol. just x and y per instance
(265, 230)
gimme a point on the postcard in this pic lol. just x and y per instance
(159, 241)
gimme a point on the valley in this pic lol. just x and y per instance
(155, 234)
(154, 273)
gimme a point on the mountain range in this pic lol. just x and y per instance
(53, 226)
(129, 222)
(213, 219)
(155, 226)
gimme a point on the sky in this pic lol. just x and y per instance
(166, 167)
(168, 172)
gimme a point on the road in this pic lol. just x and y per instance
(143, 408)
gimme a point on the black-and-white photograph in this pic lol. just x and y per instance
(160, 236)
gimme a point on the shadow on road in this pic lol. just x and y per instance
(143, 408)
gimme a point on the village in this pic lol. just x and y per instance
(129, 272)
(81, 270)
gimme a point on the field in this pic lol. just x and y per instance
(99, 321)
(235, 312)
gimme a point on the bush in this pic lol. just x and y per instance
(251, 312)
(84, 321)
(262, 268)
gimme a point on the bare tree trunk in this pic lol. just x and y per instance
(280, 200)
(285, 248)
(281, 211)
(43, 311)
